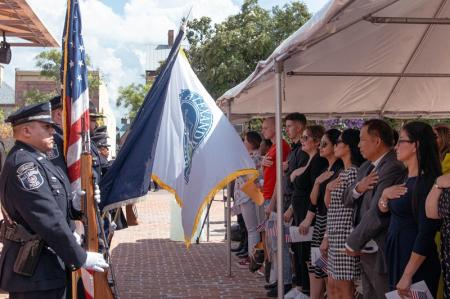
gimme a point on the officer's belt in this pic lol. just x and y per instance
(16, 232)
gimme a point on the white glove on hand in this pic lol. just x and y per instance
(97, 193)
(76, 199)
(77, 237)
(95, 261)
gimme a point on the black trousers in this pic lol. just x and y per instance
(48, 294)
(302, 253)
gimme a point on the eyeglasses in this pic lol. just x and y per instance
(400, 141)
(323, 144)
(305, 138)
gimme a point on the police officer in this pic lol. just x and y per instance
(56, 155)
(103, 150)
(35, 197)
(94, 116)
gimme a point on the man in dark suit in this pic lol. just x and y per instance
(36, 204)
(381, 170)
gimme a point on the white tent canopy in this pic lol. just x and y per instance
(358, 58)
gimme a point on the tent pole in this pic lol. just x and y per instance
(229, 212)
(279, 190)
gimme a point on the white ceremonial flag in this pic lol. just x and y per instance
(198, 151)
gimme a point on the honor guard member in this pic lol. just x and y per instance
(93, 125)
(56, 155)
(103, 150)
(37, 232)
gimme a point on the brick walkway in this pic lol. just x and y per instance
(149, 265)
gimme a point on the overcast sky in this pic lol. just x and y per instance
(117, 32)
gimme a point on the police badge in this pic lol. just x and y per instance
(29, 175)
(54, 153)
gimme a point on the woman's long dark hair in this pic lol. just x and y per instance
(333, 135)
(427, 155)
(350, 137)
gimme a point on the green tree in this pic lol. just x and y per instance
(36, 96)
(222, 55)
(49, 62)
(132, 96)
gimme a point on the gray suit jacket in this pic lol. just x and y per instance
(373, 225)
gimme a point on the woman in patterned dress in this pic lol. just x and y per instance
(438, 207)
(343, 270)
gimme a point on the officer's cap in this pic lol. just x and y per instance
(93, 113)
(98, 136)
(56, 102)
(34, 112)
(103, 143)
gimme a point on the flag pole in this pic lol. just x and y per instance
(229, 212)
(279, 190)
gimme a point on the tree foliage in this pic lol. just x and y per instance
(49, 62)
(34, 96)
(132, 96)
(222, 55)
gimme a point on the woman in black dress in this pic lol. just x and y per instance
(318, 210)
(303, 180)
(438, 207)
(410, 248)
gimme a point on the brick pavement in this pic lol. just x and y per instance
(149, 265)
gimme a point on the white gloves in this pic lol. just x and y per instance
(76, 199)
(97, 193)
(77, 237)
(95, 261)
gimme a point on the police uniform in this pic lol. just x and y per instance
(36, 195)
(100, 141)
(56, 155)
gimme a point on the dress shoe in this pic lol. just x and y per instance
(237, 249)
(274, 292)
(270, 286)
(243, 250)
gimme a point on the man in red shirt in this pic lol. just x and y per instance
(270, 178)
(269, 161)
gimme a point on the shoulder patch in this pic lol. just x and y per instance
(29, 176)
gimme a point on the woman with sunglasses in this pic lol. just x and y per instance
(343, 270)
(410, 248)
(318, 210)
(303, 180)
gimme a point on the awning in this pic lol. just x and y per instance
(17, 19)
(358, 58)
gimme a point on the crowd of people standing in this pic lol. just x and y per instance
(376, 201)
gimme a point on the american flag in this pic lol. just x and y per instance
(75, 105)
(271, 229)
(322, 263)
(416, 294)
(75, 90)
(261, 227)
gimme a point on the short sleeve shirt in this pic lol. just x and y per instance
(269, 173)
